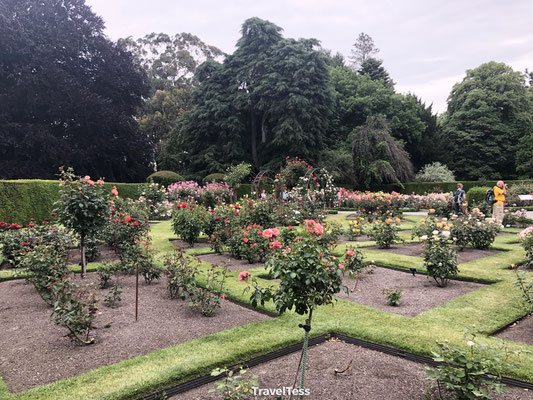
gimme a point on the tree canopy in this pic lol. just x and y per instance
(489, 114)
(269, 99)
(69, 95)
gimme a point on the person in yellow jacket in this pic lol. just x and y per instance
(500, 190)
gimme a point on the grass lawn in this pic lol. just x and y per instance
(488, 308)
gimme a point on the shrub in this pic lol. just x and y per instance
(83, 207)
(476, 195)
(310, 276)
(234, 386)
(393, 296)
(482, 233)
(517, 189)
(11, 242)
(332, 232)
(113, 296)
(440, 259)
(181, 273)
(207, 300)
(526, 240)
(385, 233)
(154, 200)
(354, 228)
(235, 174)
(76, 308)
(471, 373)
(105, 272)
(435, 172)
(188, 221)
(164, 178)
(127, 226)
(212, 178)
(45, 264)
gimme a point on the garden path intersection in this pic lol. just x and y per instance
(489, 308)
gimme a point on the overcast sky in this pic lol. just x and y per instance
(426, 45)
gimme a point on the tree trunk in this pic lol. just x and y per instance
(83, 260)
(263, 129)
(254, 139)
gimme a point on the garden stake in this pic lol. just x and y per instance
(136, 292)
(303, 358)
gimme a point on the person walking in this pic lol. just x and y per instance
(458, 200)
(500, 190)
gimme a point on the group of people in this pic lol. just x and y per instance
(499, 191)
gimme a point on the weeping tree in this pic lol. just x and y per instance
(377, 156)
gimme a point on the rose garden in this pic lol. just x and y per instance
(314, 287)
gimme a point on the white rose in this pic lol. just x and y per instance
(435, 232)
(424, 237)
(446, 234)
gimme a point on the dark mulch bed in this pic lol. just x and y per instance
(35, 351)
(373, 376)
(231, 263)
(107, 253)
(5, 265)
(420, 293)
(361, 238)
(417, 250)
(520, 331)
(201, 242)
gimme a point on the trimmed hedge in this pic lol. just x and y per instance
(23, 199)
(216, 177)
(436, 187)
(476, 195)
(165, 178)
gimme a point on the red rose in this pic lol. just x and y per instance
(128, 218)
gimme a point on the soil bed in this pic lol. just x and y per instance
(520, 331)
(417, 250)
(420, 293)
(373, 376)
(35, 351)
(202, 242)
(107, 253)
(231, 263)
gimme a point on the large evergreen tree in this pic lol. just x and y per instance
(269, 99)
(488, 114)
(68, 95)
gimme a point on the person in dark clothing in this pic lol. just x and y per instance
(459, 200)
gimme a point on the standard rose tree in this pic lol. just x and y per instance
(83, 207)
(309, 276)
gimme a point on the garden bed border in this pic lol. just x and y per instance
(205, 379)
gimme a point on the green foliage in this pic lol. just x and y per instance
(112, 298)
(21, 200)
(439, 187)
(96, 133)
(440, 258)
(181, 273)
(283, 109)
(165, 178)
(476, 195)
(83, 207)
(215, 177)
(526, 288)
(374, 69)
(526, 240)
(435, 172)
(471, 373)
(234, 386)
(310, 276)
(489, 114)
(105, 272)
(45, 263)
(385, 233)
(75, 308)
(377, 156)
(393, 296)
(236, 173)
(187, 222)
(207, 300)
